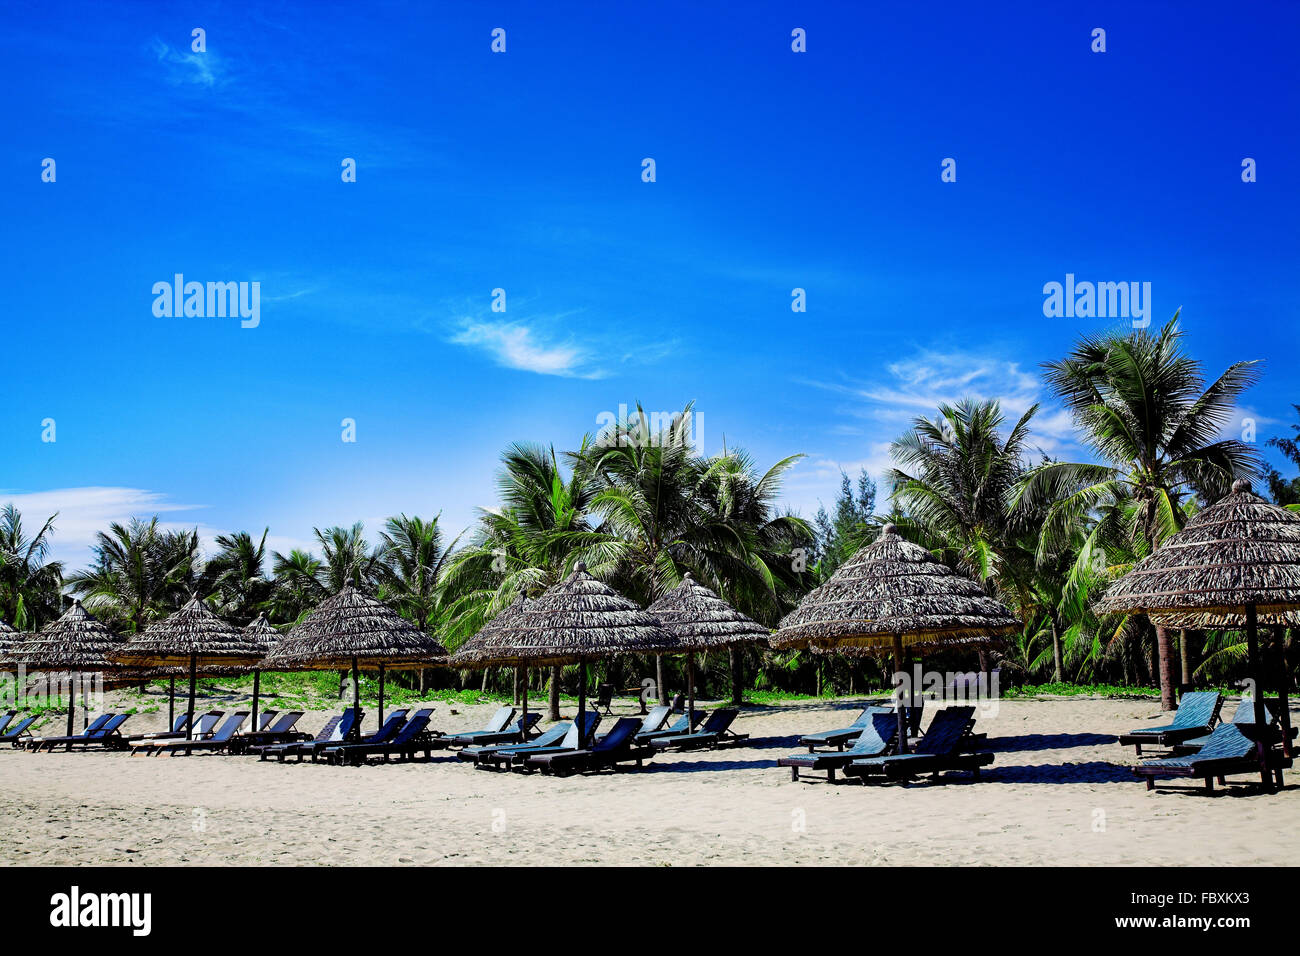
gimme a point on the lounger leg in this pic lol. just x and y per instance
(1278, 777)
(830, 774)
(1139, 749)
(1151, 784)
(794, 774)
(1209, 783)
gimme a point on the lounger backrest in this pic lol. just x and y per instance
(877, 735)
(1245, 712)
(500, 720)
(264, 718)
(945, 731)
(5, 718)
(619, 735)
(653, 720)
(529, 721)
(680, 725)
(570, 741)
(590, 721)
(346, 723)
(1198, 709)
(331, 725)
(205, 724)
(20, 727)
(1226, 742)
(720, 720)
(95, 726)
(414, 726)
(232, 724)
(553, 735)
(391, 726)
(179, 723)
(286, 722)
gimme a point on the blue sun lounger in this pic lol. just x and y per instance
(874, 740)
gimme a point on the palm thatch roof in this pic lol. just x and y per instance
(193, 632)
(262, 633)
(8, 637)
(891, 588)
(578, 619)
(702, 621)
(1240, 550)
(77, 641)
(353, 626)
(467, 655)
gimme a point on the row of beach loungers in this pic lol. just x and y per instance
(506, 741)
(1197, 744)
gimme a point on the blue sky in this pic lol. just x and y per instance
(522, 171)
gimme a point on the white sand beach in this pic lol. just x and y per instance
(1060, 792)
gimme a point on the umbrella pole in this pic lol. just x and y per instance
(171, 703)
(72, 703)
(189, 722)
(582, 700)
(1261, 728)
(356, 702)
(899, 709)
(1283, 704)
(690, 693)
(257, 686)
(381, 695)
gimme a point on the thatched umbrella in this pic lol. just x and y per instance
(577, 620)
(350, 630)
(263, 633)
(467, 654)
(76, 642)
(702, 621)
(194, 637)
(893, 593)
(1236, 563)
(8, 636)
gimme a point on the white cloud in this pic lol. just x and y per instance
(84, 511)
(917, 386)
(523, 347)
(187, 68)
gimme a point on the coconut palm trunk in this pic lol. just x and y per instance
(1057, 668)
(554, 702)
(1185, 657)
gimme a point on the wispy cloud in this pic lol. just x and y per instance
(84, 511)
(186, 68)
(525, 347)
(920, 384)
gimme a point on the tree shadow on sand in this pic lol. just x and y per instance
(1030, 742)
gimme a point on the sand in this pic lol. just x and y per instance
(1060, 792)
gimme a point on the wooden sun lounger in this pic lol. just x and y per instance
(335, 729)
(14, 735)
(506, 759)
(280, 732)
(1229, 752)
(409, 740)
(217, 742)
(495, 725)
(1195, 717)
(105, 735)
(716, 730)
(551, 737)
(614, 748)
(942, 748)
(874, 740)
(680, 728)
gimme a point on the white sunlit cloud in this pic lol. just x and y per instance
(186, 68)
(526, 348)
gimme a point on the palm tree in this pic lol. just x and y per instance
(29, 584)
(298, 586)
(1143, 408)
(413, 557)
(141, 572)
(238, 575)
(955, 480)
(529, 543)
